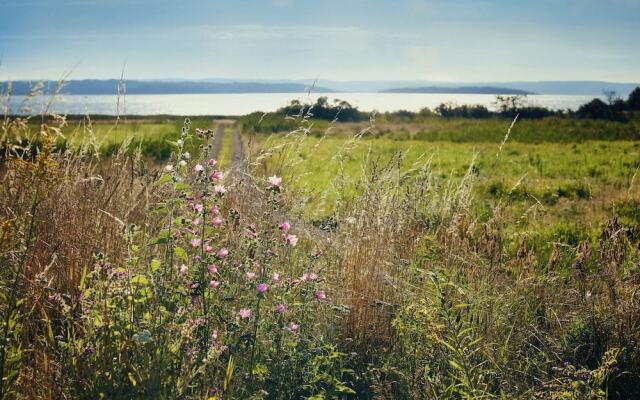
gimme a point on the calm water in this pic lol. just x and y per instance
(240, 104)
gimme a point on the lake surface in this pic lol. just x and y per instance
(245, 103)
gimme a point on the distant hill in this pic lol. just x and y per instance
(586, 88)
(222, 85)
(461, 90)
(110, 87)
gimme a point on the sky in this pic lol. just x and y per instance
(434, 40)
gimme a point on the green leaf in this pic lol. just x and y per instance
(260, 371)
(455, 365)
(344, 389)
(145, 294)
(140, 280)
(174, 144)
(182, 186)
(164, 179)
(83, 277)
(180, 253)
(155, 265)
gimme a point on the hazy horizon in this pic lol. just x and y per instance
(348, 40)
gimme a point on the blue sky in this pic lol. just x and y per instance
(442, 40)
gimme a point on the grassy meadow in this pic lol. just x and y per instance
(424, 258)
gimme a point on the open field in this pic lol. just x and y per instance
(387, 262)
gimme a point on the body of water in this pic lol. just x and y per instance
(245, 103)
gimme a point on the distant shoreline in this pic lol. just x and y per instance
(95, 87)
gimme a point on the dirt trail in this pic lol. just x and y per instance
(237, 152)
(217, 141)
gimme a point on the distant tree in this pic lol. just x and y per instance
(510, 104)
(598, 109)
(633, 102)
(323, 109)
(611, 96)
(425, 112)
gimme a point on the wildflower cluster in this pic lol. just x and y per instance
(222, 296)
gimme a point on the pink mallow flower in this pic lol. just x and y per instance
(309, 277)
(262, 288)
(275, 181)
(195, 242)
(212, 162)
(293, 328)
(215, 210)
(217, 221)
(291, 239)
(198, 168)
(284, 226)
(244, 313)
(280, 308)
(250, 276)
(220, 189)
(222, 253)
(217, 175)
(208, 249)
(214, 284)
(321, 295)
(198, 208)
(183, 269)
(212, 268)
(275, 277)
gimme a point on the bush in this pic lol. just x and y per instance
(598, 109)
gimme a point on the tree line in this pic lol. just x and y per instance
(616, 109)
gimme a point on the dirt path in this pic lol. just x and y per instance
(237, 153)
(217, 141)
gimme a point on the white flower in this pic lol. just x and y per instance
(169, 168)
(182, 163)
(186, 155)
(180, 142)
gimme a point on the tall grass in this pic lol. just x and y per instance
(125, 279)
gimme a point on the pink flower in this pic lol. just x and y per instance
(222, 253)
(183, 269)
(208, 249)
(217, 221)
(212, 268)
(293, 328)
(198, 168)
(284, 226)
(197, 222)
(214, 284)
(262, 288)
(244, 313)
(215, 210)
(275, 181)
(309, 277)
(320, 295)
(291, 239)
(217, 175)
(198, 208)
(212, 162)
(219, 189)
(195, 242)
(275, 277)
(250, 276)
(280, 308)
